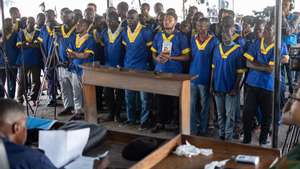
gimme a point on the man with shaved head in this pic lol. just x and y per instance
(13, 132)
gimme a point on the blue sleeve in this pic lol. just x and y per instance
(148, 35)
(250, 54)
(124, 37)
(102, 38)
(284, 50)
(216, 42)
(184, 45)
(71, 44)
(44, 163)
(91, 47)
(41, 36)
(241, 67)
(214, 57)
(154, 47)
(19, 38)
(242, 43)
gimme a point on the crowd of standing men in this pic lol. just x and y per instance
(224, 58)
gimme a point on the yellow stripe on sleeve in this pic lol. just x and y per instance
(186, 51)
(249, 57)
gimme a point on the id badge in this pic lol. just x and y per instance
(167, 47)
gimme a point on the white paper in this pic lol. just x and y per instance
(189, 150)
(81, 163)
(215, 164)
(84, 162)
(62, 146)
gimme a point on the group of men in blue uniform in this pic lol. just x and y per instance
(222, 57)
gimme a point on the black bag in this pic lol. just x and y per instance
(97, 132)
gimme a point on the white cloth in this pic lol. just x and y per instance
(189, 150)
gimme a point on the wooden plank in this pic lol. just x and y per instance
(221, 150)
(146, 84)
(158, 155)
(224, 146)
(185, 107)
(90, 107)
(136, 73)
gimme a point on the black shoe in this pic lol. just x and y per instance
(127, 122)
(59, 97)
(265, 143)
(66, 111)
(77, 116)
(21, 101)
(236, 134)
(118, 119)
(107, 118)
(246, 141)
(51, 103)
(144, 126)
(222, 138)
(157, 128)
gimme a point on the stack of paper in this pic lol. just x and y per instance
(64, 148)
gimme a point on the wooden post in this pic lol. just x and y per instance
(90, 105)
(185, 97)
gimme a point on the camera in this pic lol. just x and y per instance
(295, 58)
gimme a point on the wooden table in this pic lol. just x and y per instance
(146, 81)
(164, 157)
(115, 142)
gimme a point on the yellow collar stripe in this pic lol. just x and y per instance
(8, 36)
(262, 47)
(28, 36)
(204, 44)
(80, 40)
(235, 36)
(133, 35)
(49, 31)
(64, 34)
(225, 55)
(167, 39)
(112, 37)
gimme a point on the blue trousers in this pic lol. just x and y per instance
(226, 108)
(200, 97)
(130, 105)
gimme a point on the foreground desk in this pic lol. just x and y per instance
(158, 83)
(114, 142)
(163, 158)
